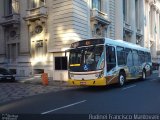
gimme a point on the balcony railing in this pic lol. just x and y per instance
(95, 12)
(139, 33)
(36, 13)
(127, 28)
(10, 19)
(100, 16)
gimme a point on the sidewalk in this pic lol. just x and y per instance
(36, 80)
(31, 86)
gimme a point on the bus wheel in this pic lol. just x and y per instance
(143, 75)
(121, 78)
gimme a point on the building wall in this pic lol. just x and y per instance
(67, 21)
(23, 66)
(151, 28)
(112, 18)
(119, 20)
(2, 41)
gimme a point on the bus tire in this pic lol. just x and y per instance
(144, 74)
(121, 78)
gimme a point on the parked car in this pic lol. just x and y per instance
(6, 75)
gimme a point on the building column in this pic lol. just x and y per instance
(157, 30)
(158, 36)
(146, 25)
(119, 19)
(154, 32)
(142, 19)
(132, 20)
(2, 41)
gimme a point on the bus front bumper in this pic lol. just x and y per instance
(96, 82)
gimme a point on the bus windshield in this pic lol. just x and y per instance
(86, 59)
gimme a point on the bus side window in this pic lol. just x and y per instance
(121, 56)
(141, 57)
(136, 58)
(147, 57)
(129, 57)
(110, 57)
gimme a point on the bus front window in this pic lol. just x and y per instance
(86, 59)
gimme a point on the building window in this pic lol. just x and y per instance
(12, 52)
(42, 2)
(8, 7)
(60, 63)
(137, 8)
(125, 10)
(36, 3)
(96, 4)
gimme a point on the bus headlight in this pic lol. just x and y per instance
(70, 76)
(99, 75)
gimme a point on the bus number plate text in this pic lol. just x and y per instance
(83, 83)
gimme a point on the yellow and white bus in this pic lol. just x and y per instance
(103, 61)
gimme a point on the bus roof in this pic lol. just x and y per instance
(125, 44)
(105, 41)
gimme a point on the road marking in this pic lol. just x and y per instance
(63, 107)
(152, 80)
(129, 87)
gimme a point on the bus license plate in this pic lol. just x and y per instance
(83, 83)
(8, 78)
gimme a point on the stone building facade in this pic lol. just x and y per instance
(34, 34)
(152, 28)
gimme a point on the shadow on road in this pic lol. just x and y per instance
(95, 89)
(114, 86)
(8, 81)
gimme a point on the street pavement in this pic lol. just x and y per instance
(136, 97)
(11, 91)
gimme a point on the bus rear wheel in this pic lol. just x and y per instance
(121, 78)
